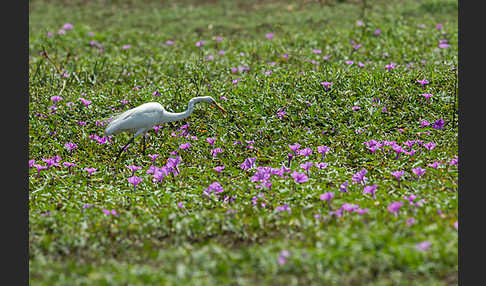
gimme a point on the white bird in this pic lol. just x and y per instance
(141, 119)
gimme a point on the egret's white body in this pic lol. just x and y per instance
(137, 120)
(142, 118)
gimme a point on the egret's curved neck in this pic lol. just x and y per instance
(174, 116)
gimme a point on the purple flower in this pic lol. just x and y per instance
(90, 170)
(126, 47)
(423, 246)
(95, 43)
(390, 66)
(87, 206)
(411, 221)
(248, 163)
(454, 161)
(281, 112)
(355, 108)
(434, 165)
(49, 162)
(359, 177)
(423, 82)
(56, 159)
(305, 152)
(370, 190)
(134, 180)
(283, 208)
(317, 52)
(216, 151)
(218, 168)
(282, 257)
(235, 81)
(70, 146)
(410, 199)
(269, 35)
(61, 32)
(348, 62)
(184, 146)
(99, 123)
(262, 174)
(438, 26)
(427, 96)
(357, 46)
(85, 101)
(443, 44)
(349, 207)
(327, 197)
(430, 145)
(377, 31)
(108, 212)
(210, 140)
(31, 163)
(172, 165)
(398, 174)
(424, 123)
(169, 42)
(321, 165)
(294, 147)
(326, 84)
(39, 168)
(67, 26)
(56, 98)
(398, 149)
(160, 173)
(290, 156)
(215, 188)
(338, 213)
(299, 177)
(439, 124)
(343, 187)
(360, 23)
(243, 68)
(411, 152)
(133, 168)
(69, 165)
(153, 157)
(456, 225)
(306, 166)
(373, 145)
(394, 207)
(418, 171)
(323, 150)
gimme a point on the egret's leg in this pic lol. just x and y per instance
(143, 148)
(130, 141)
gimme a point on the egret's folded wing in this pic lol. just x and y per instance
(115, 122)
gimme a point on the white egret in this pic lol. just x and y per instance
(140, 119)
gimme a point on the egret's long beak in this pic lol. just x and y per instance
(219, 107)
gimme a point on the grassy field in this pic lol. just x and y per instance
(336, 163)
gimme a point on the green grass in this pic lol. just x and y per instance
(153, 241)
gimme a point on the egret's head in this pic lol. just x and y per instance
(213, 102)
